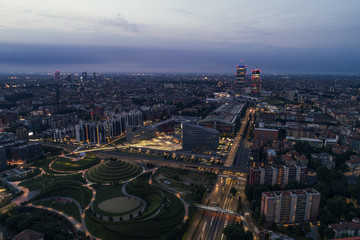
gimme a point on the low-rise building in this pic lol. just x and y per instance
(349, 229)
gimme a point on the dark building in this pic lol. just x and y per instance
(240, 78)
(29, 152)
(3, 161)
(198, 137)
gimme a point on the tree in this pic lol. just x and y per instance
(329, 233)
(233, 191)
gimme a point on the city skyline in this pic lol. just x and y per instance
(161, 36)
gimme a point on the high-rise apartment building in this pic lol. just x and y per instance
(281, 175)
(116, 124)
(290, 206)
(90, 132)
(255, 81)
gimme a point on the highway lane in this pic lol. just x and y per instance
(143, 159)
(238, 139)
(210, 225)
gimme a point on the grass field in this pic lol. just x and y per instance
(104, 193)
(44, 181)
(70, 208)
(163, 224)
(81, 194)
(119, 205)
(153, 196)
(67, 164)
(181, 179)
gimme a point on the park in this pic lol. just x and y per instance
(99, 198)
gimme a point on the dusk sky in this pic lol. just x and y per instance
(278, 36)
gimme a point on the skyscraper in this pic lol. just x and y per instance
(240, 73)
(240, 77)
(84, 76)
(57, 75)
(255, 81)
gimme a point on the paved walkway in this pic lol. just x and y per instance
(75, 222)
(178, 194)
(127, 216)
(83, 222)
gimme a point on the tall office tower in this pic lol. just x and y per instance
(255, 81)
(240, 81)
(57, 75)
(84, 76)
(94, 75)
(290, 206)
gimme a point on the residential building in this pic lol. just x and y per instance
(265, 135)
(281, 175)
(349, 229)
(290, 206)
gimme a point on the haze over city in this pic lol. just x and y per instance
(182, 36)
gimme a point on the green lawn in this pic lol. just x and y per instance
(163, 224)
(44, 164)
(113, 171)
(104, 193)
(70, 208)
(153, 196)
(67, 164)
(81, 194)
(44, 181)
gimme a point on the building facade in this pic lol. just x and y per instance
(265, 135)
(90, 132)
(255, 81)
(194, 137)
(290, 206)
(280, 175)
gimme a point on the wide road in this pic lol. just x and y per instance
(231, 158)
(143, 159)
(208, 224)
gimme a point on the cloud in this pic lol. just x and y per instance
(119, 21)
(17, 57)
(184, 12)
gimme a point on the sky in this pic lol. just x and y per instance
(187, 36)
